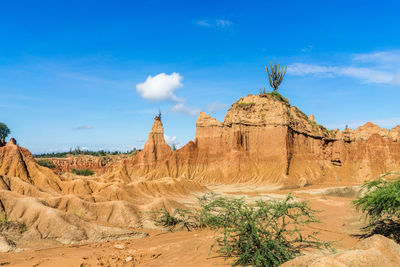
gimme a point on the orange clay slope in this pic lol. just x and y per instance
(73, 209)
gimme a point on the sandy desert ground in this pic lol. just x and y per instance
(339, 222)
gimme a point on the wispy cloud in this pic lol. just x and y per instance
(307, 49)
(391, 57)
(203, 23)
(378, 68)
(216, 106)
(367, 75)
(83, 127)
(215, 23)
(182, 108)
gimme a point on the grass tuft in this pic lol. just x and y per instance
(4, 221)
(246, 104)
(276, 96)
(84, 172)
(179, 217)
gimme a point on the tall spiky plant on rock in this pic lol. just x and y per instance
(275, 75)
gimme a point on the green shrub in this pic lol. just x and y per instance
(178, 217)
(267, 233)
(381, 206)
(84, 172)
(46, 163)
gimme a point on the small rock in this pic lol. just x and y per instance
(128, 259)
(12, 141)
(302, 182)
(5, 245)
(119, 246)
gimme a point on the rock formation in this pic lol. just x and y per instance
(376, 250)
(155, 151)
(265, 140)
(71, 209)
(67, 164)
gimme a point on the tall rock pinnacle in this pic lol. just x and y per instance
(155, 147)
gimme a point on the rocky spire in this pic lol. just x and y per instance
(155, 147)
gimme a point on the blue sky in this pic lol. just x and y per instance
(94, 73)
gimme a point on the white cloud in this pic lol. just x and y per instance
(181, 108)
(83, 127)
(215, 23)
(215, 106)
(160, 87)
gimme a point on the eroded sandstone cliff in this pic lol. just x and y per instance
(98, 164)
(265, 140)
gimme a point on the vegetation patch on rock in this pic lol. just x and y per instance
(246, 104)
(46, 163)
(83, 172)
